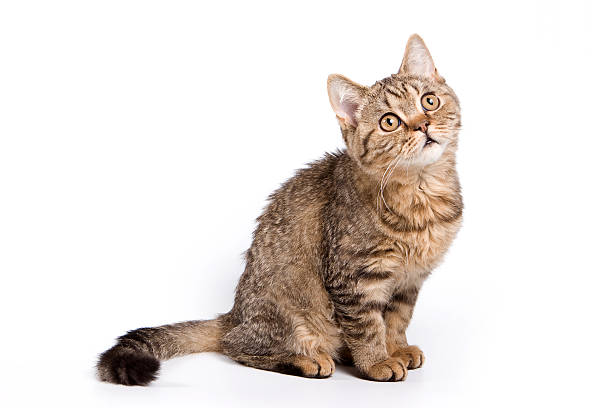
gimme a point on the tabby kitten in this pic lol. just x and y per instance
(343, 247)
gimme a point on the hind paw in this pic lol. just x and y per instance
(319, 366)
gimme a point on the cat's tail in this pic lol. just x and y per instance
(136, 357)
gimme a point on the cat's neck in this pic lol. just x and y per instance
(415, 197)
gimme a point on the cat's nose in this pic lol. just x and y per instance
(422, 126)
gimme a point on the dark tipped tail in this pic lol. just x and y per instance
(135, 359)
(121, 365)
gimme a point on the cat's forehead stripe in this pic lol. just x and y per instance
(394, 91)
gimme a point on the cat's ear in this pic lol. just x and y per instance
(417, 60)
(346, 97)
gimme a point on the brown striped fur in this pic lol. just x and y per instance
(342, 249)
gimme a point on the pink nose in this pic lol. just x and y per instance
(422, 126)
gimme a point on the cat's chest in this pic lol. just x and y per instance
(421, 230)
(412, 255)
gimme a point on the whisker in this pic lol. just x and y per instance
(386, 177)
(379, 194)
(382, 190)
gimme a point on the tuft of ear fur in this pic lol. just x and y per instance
(346, 98)
(417, 60)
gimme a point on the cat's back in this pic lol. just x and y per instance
(287, 239)
(302, 195)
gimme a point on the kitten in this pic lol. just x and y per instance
(343, 247)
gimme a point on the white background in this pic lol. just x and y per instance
(140, 139)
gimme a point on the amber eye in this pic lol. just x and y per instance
(389, 122)
(430, 102)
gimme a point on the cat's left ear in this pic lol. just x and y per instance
(346, 98)
(417, 60)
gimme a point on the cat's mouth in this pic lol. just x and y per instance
(429, 141)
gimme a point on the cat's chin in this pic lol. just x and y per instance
(429, 153)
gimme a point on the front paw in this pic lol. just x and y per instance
(411, 356)
(391, 369)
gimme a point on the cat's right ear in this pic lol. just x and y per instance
(417, 60)
(346, 98)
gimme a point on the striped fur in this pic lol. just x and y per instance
(342, 249)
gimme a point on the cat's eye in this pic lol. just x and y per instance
(389, 122)
(430, 102)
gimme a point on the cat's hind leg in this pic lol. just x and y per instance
(320, 365)
(265, 340)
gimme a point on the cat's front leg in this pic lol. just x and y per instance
(397, 316)
(359, 311)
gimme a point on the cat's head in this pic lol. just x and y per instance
(410, 119)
